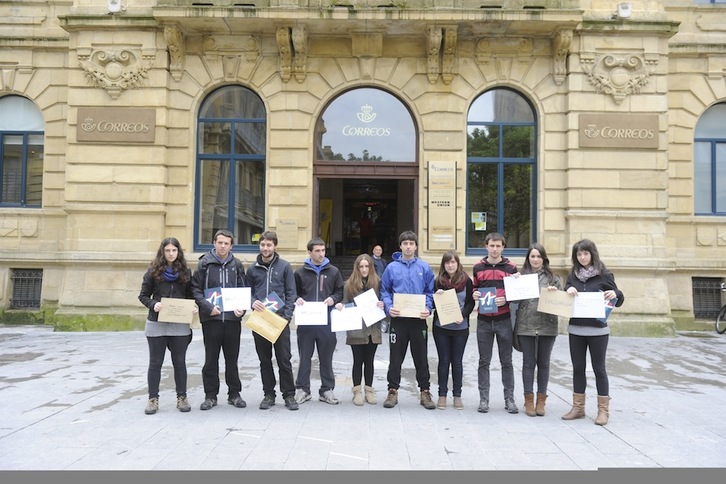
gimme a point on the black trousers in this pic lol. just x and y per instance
(225, 337)
(283, 356)
(402, 332)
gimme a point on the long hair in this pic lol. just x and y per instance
(179, 265)
(527, 268)
(354, 285)
(458, 277)
(586, 245)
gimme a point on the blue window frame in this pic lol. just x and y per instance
(501, 171)
(230, 177)
(21, 153)
(709, 162)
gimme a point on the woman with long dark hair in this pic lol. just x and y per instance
(450, 339)
(167, 276)
(363, 342)
(536, 332)
(589, 274)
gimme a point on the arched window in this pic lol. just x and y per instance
(709, 161)
(366, 124)
(21, 153)
(230, 181)
(501, 168)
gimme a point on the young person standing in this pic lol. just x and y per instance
(490, 272)
(363, 342)
(407, 274)
(317, 280)
(219, 268)
(537, 332)
(589, 274)
(167, 276)
(451, 339)
(271, 274)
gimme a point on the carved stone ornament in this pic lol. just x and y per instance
(292, 45)
(177, 51)
(561, 45)
(617, 75)
(447, 67)
(433, 50)
(115, 70)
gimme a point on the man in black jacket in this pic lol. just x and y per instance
(218, 269)
(271, 274)
(317, 281)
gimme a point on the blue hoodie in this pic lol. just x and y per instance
(412, 276)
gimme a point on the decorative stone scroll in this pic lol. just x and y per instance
(177, 50)
(561, 45)
(116, 70)
(447, 65)
(229, 49)
(292, 45)
(433, 49)
(617, 75)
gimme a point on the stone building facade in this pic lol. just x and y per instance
(547, 120)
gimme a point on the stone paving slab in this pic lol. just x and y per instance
(75, 401)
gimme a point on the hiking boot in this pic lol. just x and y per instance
(182, 404)
(510, 406)
(302, 396)
(483, 406)
(237, 402)
(328, 397)
(426, 400)
(152, 406)
(208, 403)
(391, 399)
(267, 402)
(290, 402)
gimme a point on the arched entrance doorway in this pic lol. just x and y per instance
(366, 172)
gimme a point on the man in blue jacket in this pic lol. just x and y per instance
(271, 274)
(407, 274)
(317, 281)
(219, 268)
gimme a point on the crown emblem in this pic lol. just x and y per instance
(592, 131)
(366, 113)
(88, 125)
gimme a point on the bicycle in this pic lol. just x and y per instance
(721, 318)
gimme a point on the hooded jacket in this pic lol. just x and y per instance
(407, 276)
(316, 283)
(277, 277)
(211, 273)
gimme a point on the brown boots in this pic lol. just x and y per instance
(539, 407)
(603, 410)
(529, 404)
(532, 409)
(578, 407)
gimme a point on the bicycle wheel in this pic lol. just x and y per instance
(721, 321)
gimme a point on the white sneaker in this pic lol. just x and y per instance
(328, 397)
(302, 396)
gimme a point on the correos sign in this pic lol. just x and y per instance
(123, 125)
(619, 131)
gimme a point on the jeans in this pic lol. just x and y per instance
(157, 351)
(598, 349)
(536, 353)
(450, 345)
(486, 331)
(283, 356)
(308, 337)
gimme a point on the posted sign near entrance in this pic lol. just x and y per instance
(442, 205)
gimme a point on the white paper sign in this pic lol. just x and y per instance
(311, 314)
(589, 305)
(523, 287)
(346, 319)
(367, 302)
(236, 298)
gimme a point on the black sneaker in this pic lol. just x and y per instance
(290, 402)
(208, 403)
(237, 402)
(267, 402)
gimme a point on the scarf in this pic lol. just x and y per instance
(445, 283)
(584, 274)
(170, 275)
